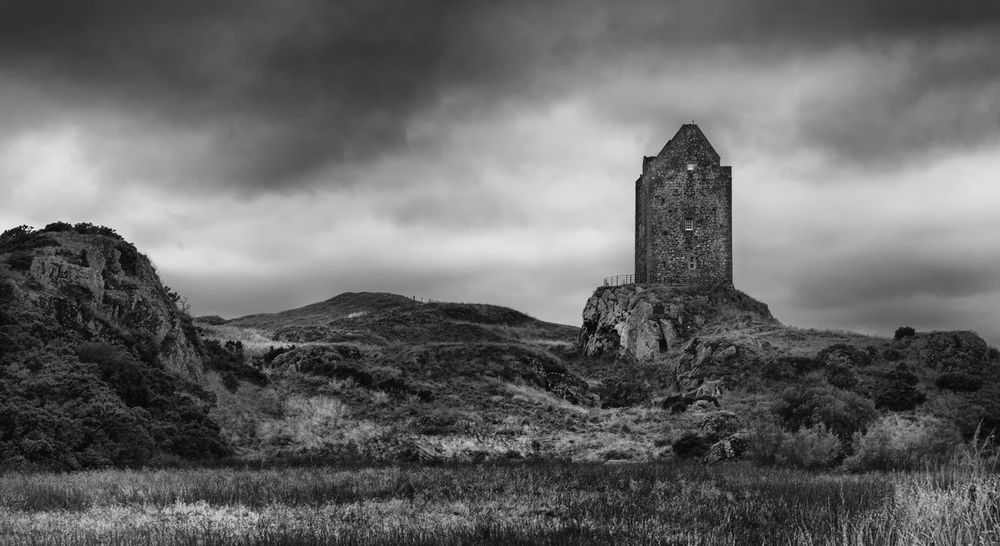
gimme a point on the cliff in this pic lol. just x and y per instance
(98, 364)
(97, 286)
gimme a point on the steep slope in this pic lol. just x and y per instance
(98, 365)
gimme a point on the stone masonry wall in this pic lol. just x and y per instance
(684, 187)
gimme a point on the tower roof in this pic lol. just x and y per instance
(689, 143)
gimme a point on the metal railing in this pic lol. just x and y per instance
(619, 280)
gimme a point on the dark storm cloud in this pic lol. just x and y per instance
(274, 92)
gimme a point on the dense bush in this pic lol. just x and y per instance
(229, 358)
(787, 367)
(23, 239)
(892, 355)
(86, 228)
(903, 332)
(842, 412)
(895, 390)
(811, 447)
(273, 352)
(959, 381)
(897, 442)
(844, 355)
(840, 376)
(713, 427)
(93, 407)
(691, 445)
(623, 393)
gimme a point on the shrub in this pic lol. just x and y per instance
(24, 238)
(892, 355)
(903, 332)
(16, 234)
(809, 447)
(58, 226)
(894, 390)
(21, 260)
(844, 355)
(959, 381)
(229, 358)
(273, 352)
(786, 367)
(623, 393)
(897, 442)
(692, 444)
(86, 228)
(842, 412)
(128, 258)
(840, 376)
(230, 382)
(764, 439)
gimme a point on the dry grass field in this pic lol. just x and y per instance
(525, 503)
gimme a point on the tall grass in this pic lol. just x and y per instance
(539, 503)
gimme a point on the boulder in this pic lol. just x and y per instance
(641, 322)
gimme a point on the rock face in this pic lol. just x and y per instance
(639, 322)
(99, 287)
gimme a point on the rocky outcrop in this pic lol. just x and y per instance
(640, 322)
(99, 287)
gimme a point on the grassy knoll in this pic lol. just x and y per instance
(527, 503)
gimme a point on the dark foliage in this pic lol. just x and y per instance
(22, 239)
(230, 382)
(94, 407)
(86, 228)
(904, 331)
(843, 412)
(787, 367)
(230, 359)
(692, 444)
(482, 314)
(128, 258)
(273, 352)
(58, 226)
(845, 355)
(894, 390)
(840, 376)
(21, 260)
(959, 381)
(338, 370)
(623, 393)
(892, 355)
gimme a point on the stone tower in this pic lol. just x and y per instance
(683, 214)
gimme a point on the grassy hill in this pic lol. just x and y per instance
(93, 343)
(381, 377)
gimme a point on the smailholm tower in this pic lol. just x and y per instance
(684, 213)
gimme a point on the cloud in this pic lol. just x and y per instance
(275, 97)
(268, 155)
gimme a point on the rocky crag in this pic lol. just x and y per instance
(99, 287)
(100, 365)
(643, 322)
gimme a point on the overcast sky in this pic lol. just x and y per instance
(268, 155)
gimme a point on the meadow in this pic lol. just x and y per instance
(503, 503)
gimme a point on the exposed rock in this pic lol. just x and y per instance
(640, 322)
(99, 287)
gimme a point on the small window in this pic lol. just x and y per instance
(692, 263)
(689, 224)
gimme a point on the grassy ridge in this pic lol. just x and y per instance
(538, 503)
